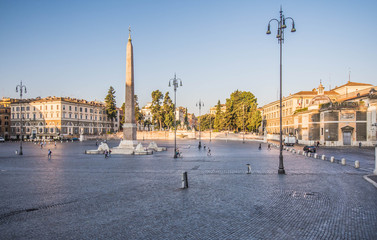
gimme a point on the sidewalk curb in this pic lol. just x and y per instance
(366, 177)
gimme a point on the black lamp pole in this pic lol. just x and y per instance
(21, 88)
(175, 81)
(200, 104)
(280, 37)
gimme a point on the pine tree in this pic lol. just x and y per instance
(168, 111)
(110, 105)
(219, 118)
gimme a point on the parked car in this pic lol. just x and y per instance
(311, 149)
(2, 139)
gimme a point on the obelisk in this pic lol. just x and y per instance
(129, 126)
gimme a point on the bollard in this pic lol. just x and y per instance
(343, 161)
(248, 168)
(315, 155)
(309, 154)
(357, 164)
(298, 152)
(184, 180)
(332, 159)
(303, 153)
(323, 157)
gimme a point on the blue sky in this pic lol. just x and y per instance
(78, 48)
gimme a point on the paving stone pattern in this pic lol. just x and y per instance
(77, 196)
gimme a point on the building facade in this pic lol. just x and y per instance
(54, 117)
(337, 117)
(5, 117)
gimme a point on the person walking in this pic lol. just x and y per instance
(260, 146)
(269, 147)
(209, 152)
(49, 154)
(41, 145)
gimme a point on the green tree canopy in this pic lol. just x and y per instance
(206, 122)
(168, 111)
(110, 104)
(240, 107)
(218, 124)
(156, 109)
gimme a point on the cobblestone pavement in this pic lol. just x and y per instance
(78, 196)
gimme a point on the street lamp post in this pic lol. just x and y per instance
(175, 81)
(280, 37)
(200, 104)
(21, 88)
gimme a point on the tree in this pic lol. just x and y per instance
(168, 111)
(206, 122)
(156, 109)
(186, 123)
(139, 117)
(218, 124)
(230, 115)
(110, 105)
(254, 121)
(122, 118)
(239, 106)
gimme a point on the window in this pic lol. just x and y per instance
(18, 115)
(27, 116)
(75, 115)
(75, 108)
(18, 109)
(34, 116)
(86, 110)
(70, 115)
(40, 107)
(6, 117)
(70, 108)
(52, 107)
(40, 115)
(46, 107)
(51, 130)
(51, 115)
(80, 109)
(57, 107)
(63, 107)
(27, 108)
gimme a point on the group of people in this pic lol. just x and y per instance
(107, 153)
